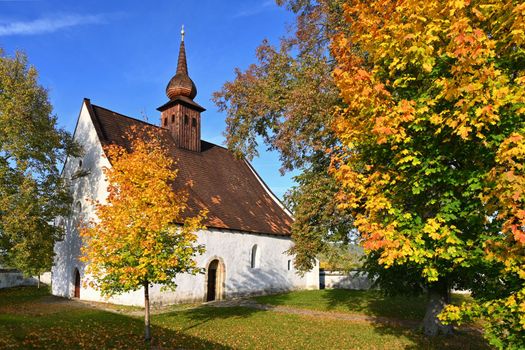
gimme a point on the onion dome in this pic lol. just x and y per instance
(181, 84)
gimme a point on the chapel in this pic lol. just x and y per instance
(247, 231)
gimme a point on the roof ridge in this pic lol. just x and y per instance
(148, 123)
(95, 119)
(126, 116)
(234, 193)
(216, 145)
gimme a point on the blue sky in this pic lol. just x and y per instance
(121, 54)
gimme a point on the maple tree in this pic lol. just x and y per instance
(286, 100)
(32, 193)
(140, 235)
(432, 149)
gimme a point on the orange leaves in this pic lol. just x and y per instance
(410, 72)
(508, 193)
(432, 164)
(408, 42)
(141, 232)
(518, 233)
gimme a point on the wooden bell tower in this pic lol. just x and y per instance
(181, 115)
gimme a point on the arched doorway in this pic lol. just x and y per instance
(214, 280)
(77, 284)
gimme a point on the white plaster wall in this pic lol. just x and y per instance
(14, 278)
(91, 186)
(45, 278)
(233, 248)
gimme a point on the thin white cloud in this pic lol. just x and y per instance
(266, 5)
(48, 25)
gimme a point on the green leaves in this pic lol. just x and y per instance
(434, 96)
(32, 194)
(286, 100)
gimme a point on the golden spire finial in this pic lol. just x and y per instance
(182, 32)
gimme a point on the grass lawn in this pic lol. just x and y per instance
(370, 303)
(31, 319)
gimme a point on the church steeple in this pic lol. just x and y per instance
(181, 83)
(181, 115)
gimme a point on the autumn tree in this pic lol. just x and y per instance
(140, 235)
(286, 100)
(32, 193)
(431, 161)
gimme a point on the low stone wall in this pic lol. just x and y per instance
(344, 280)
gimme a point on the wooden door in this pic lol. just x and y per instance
(212, 282)
(77, 284)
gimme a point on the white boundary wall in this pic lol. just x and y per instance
(344, 280)
(13, 278)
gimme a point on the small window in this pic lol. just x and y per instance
(80, 171)
(289, 265)
(254, 260)
(194, 122)
(186, 120)
(173, 118)
(165, 122)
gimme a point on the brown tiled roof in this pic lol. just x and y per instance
(224, 185)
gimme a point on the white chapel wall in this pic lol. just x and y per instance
(84, 188)
(233, 248)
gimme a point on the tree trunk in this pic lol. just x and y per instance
(438, 298)
(38, 283)
(147, 330)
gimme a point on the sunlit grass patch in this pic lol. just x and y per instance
(75, 325)
(367, 302)
(371, 303)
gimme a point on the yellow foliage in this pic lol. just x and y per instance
(141, 232)
(391, 45)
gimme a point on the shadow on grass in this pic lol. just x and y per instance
(28, 323)
(205, 316)
(373, 303)
(370, 303)
(461, 339)
(401, 316)
(398, 316)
